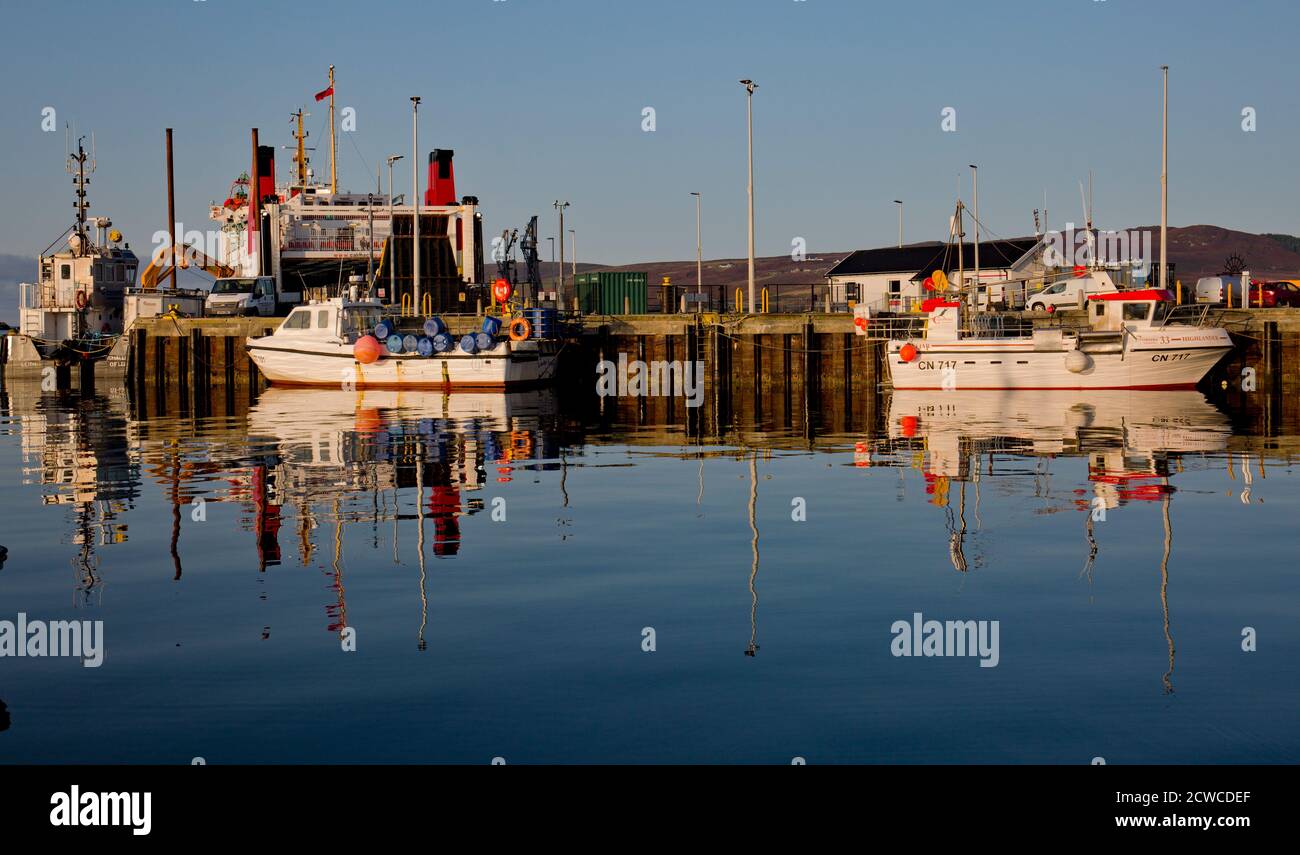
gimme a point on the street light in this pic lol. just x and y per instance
(899, 203)
(415, 193)
(975, 191)
(699, 259)
(392, 268)
(560, 206)
(750, 86)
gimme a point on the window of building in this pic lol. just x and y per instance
(895, 286)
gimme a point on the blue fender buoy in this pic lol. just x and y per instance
(469, 343)
(424, 346)
(442, 342)
(383, 330)
(394, 343)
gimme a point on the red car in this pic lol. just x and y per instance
(1274, 294)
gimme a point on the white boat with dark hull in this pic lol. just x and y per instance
(1132, 340)
(316, 346)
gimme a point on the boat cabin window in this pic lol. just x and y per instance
(65, 271)
(1162, 311)
(1098, 308)
(300, 319)
(360, 321)
(323, 319)
(1136, 311)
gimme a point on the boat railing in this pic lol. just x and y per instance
(29, 295)
(1206, 315)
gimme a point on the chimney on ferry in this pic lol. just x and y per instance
(442, 179)
(265, 172)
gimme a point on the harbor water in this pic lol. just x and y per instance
(544, 576)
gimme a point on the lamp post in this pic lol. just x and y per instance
(975, 192)
(415, 192)
(552, 240)
(750, 86)
(1164, 183)
(899, 203)
(699, 258)
(560, 206)
(392, 268)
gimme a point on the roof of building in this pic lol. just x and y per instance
(926, 257)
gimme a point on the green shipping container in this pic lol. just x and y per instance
(604, 292)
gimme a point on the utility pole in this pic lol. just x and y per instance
(899, 203)
(573, 265)
(415, 193)
(750, 86)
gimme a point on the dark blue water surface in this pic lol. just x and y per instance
(522, 638)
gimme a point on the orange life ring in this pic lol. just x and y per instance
(520, 329)
(81, 300)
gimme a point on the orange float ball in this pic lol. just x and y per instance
(907, 352)
(908, 424)
(367, 349)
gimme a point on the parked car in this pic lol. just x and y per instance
(1066, 294)
(1277, 294)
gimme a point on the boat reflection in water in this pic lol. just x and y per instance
(1134, 442)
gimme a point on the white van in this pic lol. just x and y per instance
(1216, 289)
(1070, 293)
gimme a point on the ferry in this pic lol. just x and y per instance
(331, 343)
(1131, 340)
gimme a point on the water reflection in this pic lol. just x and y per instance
(308, 471)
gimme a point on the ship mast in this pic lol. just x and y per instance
(334, 149)
(77, 166)
(300, 158)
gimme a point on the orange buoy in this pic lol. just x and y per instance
(520, 329)
(928, 282)
(908, 424)
(367, 349)
(907, 352)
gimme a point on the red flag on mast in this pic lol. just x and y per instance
(325, 93)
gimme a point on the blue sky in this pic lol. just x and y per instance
(543, 99)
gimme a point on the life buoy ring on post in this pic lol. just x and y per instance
(520, 329)
(81, 300)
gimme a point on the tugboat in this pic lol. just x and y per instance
(72, 315)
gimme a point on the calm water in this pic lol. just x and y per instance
(1121, 541)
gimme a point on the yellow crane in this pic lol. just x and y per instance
(186, 256)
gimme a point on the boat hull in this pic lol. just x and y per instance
(975, 366)
(508, 367)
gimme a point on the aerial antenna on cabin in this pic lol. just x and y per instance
(1085, 201)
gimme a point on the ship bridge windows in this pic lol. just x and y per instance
(65, 272)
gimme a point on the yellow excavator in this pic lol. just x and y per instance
(187, 255)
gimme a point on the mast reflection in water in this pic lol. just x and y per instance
(496, 558)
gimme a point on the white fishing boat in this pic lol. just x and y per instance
(329, 343)
(1131, 340)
